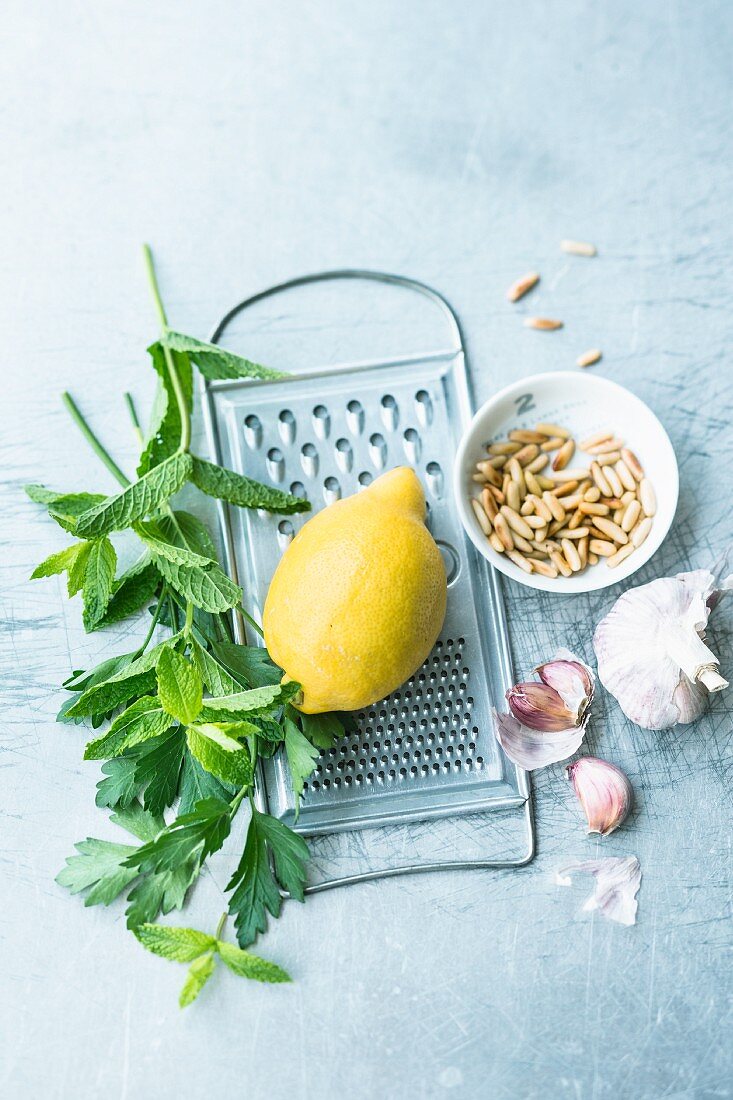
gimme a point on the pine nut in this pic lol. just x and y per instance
(572, 557)
(521, 544)
(592, 558)
(516, 522)
(544, 568)
(488, 501)
(544, 324)
(625, 476)
(583, 551)
(600, 480)
(564, 455)
(526, 453)
(553, 430)
(578, 248)
(522, 286)
(633, 463)
(554, 506)
(523, 435)
(572, 532)
(608, 459)
(512, 496)
(602, 548)
(613, 480)
(540, 534)
(577, 474)
(536, 464)
(516, 474)
(588, 358)
(481, 516)
(627, 498)
(496, 542)
(497, 461)
(593, 440)
(639, 534)
(553, 443)
(589, 509)
(520, 560)
(478, 478)
(566, 489)
(504, 448)
(542, 508)
(502, 529)
(535, 521)
(604, 447)
(611, 529)
(571, 503)
(496, 493)
(527, 507)
(620, 555)
(492, 476)
(648, 497)
(631, 515)
(544, 482)
(532, 483)
(618, 515)
(559, 562)
(592, 495)
(575, 520)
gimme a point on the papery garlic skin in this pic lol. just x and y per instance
(531, 749)
(650, 653)
(617, 882)
(604, 792)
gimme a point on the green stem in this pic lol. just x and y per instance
(220, 925)
(154, 622)
(189, 618)
(183, 412)
(255, 626)
(134, 418)
(92, 440)
(237, 800)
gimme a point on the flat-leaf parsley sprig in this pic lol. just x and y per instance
(179, 724)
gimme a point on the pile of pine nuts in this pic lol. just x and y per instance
(562, 519)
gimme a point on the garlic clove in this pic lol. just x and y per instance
(531, 749)
(617, 883)
(540, 707)
(572, 680)
(604, 792)
(650, 653)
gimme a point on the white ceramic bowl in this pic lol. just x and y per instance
(584, 403)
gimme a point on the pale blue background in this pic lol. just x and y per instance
(456, 143)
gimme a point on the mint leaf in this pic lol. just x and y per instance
(164, 433)
(222, 708)
(138, 500)
(61, 562)
(249, 664)
(227, 485)
(65, 508)
(213, 674)
(214, 362)
(321, 729)
(198, 975)
(250, 966)
(179, 686)
(197, 578)
(132, 591)
(121, 785)
(99, 867)
(178, 944)
(255, 886)
(135, 678)
(99, 576)
(183, 529)
(220, 753)
(78, 570)
(193, 835)
(302, 756)
(198, 784)
(141, 721)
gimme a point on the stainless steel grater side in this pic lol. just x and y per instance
(428, 751)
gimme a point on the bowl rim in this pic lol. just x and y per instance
(591, 580)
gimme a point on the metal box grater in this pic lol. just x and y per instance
(428, 750)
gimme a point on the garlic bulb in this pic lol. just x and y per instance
(604, 793)
(650, 652)
(617, 882)
(547, 720)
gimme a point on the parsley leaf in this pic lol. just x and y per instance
(198, 784)
(249, 664)
(142, 720)
(193, 835)
(100, 868)
(255, 886)
(179, 686)
(301, 755)
(121, 785)
(228, 485)
(321, 729)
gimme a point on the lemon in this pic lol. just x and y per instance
(358, 599)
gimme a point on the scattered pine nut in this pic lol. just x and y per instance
(516, 522)
(613, 480)
(554, 506)
(592, 558)
(600, 480)
(578, 248)
(512, 496)
(604, 447)
(592, 495)
(532, 483)
(544, 324)
(588, 358)
(522, 286)
(498, 461)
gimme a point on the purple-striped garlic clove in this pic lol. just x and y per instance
(604, 792)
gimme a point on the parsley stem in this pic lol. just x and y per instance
(92, 440)
(183, 411)
(220, 925)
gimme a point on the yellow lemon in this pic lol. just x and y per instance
(358, 599)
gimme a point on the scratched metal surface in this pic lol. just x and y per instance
(458, 144)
